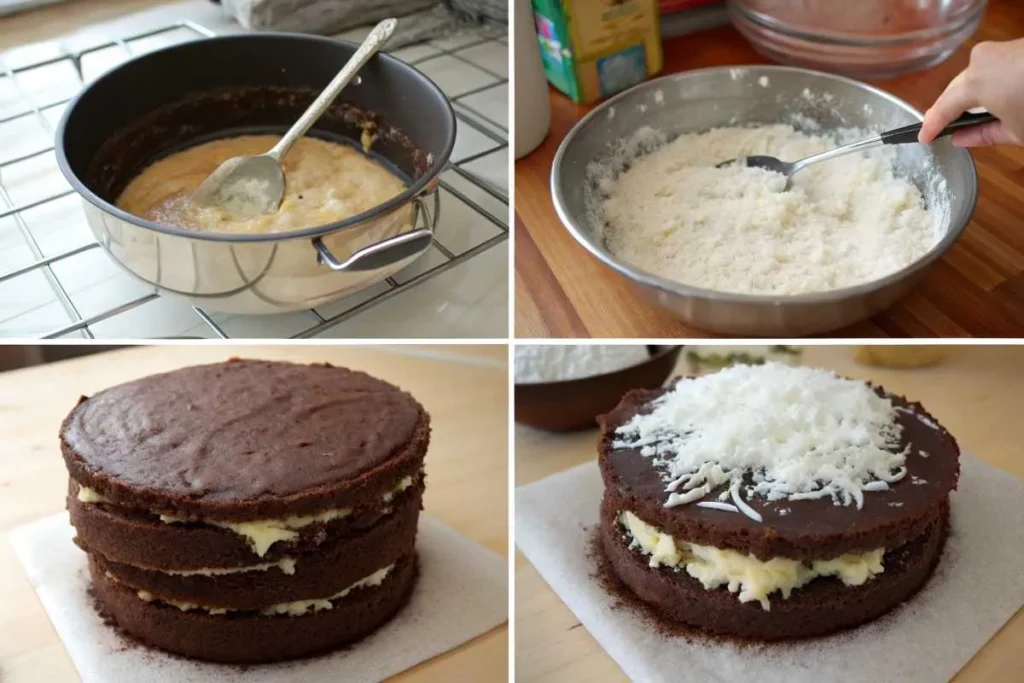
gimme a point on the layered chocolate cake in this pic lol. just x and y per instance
(773, 502)
(248, 511)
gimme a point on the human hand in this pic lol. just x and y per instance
(994, 79)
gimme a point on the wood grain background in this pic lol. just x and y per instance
(977, 289)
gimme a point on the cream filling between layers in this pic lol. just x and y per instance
(88, 495)
(285, 564)
(752, 578)
(295, 608)
(263, 533)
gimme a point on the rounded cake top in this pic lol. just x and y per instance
(238, 431)
(787, 456)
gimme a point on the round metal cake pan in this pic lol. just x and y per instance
(174, 98)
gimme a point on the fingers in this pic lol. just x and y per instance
(957, 98)
(987, 134)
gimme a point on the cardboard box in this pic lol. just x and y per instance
(592, 49)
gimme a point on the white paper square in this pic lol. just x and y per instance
(462, 593)
(976, 588)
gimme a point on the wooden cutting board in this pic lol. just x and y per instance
(974, 392)
(465, 390)
(976, 289)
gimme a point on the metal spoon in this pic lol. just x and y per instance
(252, 185)
(897, 136)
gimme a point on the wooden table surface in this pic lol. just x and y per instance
(976, 289)
(975, 393)
(467, 467)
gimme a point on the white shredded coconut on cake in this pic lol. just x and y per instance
(552, 363)
(772, 430)
(666, 208)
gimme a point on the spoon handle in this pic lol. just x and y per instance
(906, 134)
(373, 43)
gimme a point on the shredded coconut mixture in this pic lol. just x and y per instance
(665, 207)
(549, 363)
(773, 431)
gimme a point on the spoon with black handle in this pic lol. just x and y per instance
(898, 136)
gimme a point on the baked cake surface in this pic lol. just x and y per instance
(248, 511)
(842, 506)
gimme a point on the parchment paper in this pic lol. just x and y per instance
(462, 593)
(977, 587)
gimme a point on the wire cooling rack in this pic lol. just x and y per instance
(55, 281)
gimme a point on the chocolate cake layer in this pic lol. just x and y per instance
(824, 605)
(809, 528)
(142, 540)
(250, 637)
(245, 440)
(330, 569)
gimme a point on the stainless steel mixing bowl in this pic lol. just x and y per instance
(696, 101)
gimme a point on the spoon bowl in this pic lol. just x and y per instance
(898, 136)
(249, 186)
(246, 186)
(768, 163)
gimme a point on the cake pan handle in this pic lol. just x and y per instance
(379, 255)
(391, 250)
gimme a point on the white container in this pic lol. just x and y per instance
(532, 106)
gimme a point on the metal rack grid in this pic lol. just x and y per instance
(46, 264)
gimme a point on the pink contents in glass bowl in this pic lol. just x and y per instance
(867, 38)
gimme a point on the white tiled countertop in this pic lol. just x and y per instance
(55, 282)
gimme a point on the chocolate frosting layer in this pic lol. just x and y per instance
(808, 528)
(238, 431)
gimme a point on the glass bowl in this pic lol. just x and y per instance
(864, 39)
